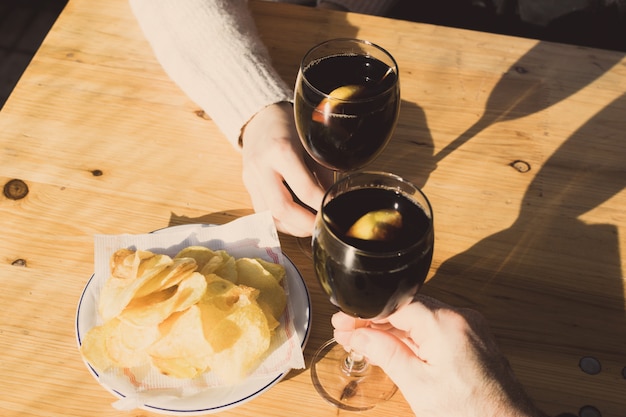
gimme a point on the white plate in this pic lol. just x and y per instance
(216, 399)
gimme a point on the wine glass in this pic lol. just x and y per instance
(346, 104)
(372, 249)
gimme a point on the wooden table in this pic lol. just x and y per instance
(519, 144)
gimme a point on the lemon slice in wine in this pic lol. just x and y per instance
(381, 225)
(329, 104)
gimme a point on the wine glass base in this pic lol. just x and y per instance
(348, 392)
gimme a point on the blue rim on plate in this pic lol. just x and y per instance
(241, 393)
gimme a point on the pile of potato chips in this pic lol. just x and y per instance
(200, 311)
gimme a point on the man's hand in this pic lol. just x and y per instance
(444, 360)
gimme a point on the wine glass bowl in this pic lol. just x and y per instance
(346, 102)
(371, 278)
(368, 276)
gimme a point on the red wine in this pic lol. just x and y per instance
(367, 278)
(352, 132)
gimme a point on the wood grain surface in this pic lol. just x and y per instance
(519, 144)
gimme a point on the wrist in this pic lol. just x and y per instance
(267, 114)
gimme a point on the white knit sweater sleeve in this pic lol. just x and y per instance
(211, 49)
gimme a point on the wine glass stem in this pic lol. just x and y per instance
(354, 364)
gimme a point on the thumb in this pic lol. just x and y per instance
(389, 352)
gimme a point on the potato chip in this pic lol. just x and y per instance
(277, 270)
(127, 344)
(228, 270)
(93, 348)
(224, 334)
(244, 339)
(127, 264)
(250, 272)
(211, 265)
(153, 308)
(272, 322)
(182, 351)
(121, 287)
(217, 286)
(118, 344)
(201, 254)
(220, 299)
(223, 265)
(123, 263)
(180, 367)
(175, 272)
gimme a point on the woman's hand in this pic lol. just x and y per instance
(272, 157)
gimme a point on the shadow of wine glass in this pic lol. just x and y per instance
(552, 262)
(410, 151)
(544, 76)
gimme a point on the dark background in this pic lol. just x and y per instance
(25, 23)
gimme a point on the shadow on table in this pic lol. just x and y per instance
(531, 84)
(410, 151)
(544, 76)
(566, 273)
(210, 218)
(550, 281)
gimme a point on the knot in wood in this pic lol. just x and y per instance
(201, 114)
(15, 189)
(19, 262)
(521, 166)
